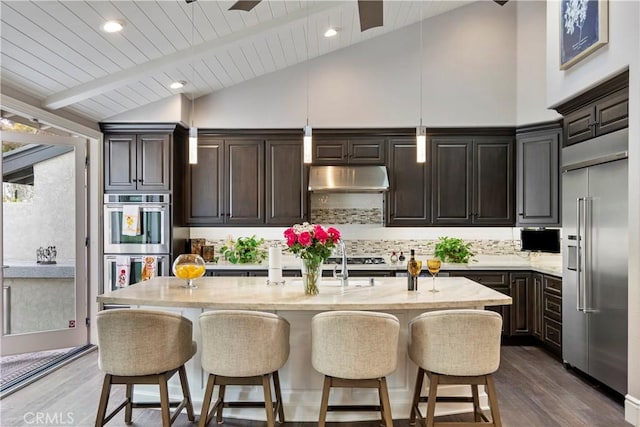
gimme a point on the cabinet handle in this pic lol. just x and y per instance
(521, 214)
(596, 123)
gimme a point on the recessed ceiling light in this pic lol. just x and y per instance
(178, 84)
(331, 32)
(113, 26)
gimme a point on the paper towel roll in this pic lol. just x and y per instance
(275, 264)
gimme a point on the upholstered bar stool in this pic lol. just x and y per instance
(242, 347)
(456, 347)
(355, 349)
(143, 347)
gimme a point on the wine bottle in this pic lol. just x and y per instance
(413, 267)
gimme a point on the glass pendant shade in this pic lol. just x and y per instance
(421, 144)
(307, 145)
(193, 145)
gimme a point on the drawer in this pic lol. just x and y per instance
(552, 335)
(489, 278)
(552, 306)
(552, 285)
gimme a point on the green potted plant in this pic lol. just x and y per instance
(244, 250)
(451, 249)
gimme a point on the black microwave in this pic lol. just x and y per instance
(545, 240)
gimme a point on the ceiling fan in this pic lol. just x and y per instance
(370, 11)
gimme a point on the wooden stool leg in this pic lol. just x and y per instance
(476, 403)
(431, 404)
(206, 402)
(280, 407)
(493, 401)
(164, 401)
(186, 393)
(416, 396)
(386, 405)
(325, 401)
(129, 408)
(104, 400)
(268, 402)
(220, 403)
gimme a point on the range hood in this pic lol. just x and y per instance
(348, 179)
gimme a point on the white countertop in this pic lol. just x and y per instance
(546, 264)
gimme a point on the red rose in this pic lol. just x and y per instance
(334, 234)
(291, 236)
(305, 238)
(320, 234)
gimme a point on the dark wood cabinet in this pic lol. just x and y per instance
(137, 162)
(355, 150)
(204, 195)
(472, 180)
(521, 308)
(552, 314)
(244, 181)
(536, 304)
(537, 182)
(598, 111)
(408, 199)
(285, 187)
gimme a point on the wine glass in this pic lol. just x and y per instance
(433, 265)
(414, 267)
(189, 267)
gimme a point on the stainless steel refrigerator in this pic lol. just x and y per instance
(594, 258)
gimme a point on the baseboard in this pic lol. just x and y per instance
(632, 410)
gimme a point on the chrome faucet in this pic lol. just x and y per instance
(344, 273)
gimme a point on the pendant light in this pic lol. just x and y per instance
(421, 131)
(193, 131)
(307, 144)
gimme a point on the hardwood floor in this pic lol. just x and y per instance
(533, 390)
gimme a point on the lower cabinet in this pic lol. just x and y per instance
(551, 309)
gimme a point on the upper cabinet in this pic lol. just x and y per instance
(472, 180)
(246, 181)
(598, 111)
(138, 158)
(330, 150)
(537, 173)
(408, 199)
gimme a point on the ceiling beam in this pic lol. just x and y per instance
(184, 57)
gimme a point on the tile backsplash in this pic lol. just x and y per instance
(347, 208)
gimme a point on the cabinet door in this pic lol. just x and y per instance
(521, 318)
(204, 184)
(120, 162)
(244, 181)
(579, 125)
(612, 113)
(330, 151)
(537, 182)
(286, 193)
(369, 151)
(536, 305)
(153, 162)
(451, 165)
(408, 197)
(493, 189)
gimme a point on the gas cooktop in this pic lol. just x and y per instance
(357, 260)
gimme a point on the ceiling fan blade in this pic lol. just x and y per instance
(501, 2)
(245, 5)
(370, 14)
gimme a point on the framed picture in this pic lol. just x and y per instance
(583, 29)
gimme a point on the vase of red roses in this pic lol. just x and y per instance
(313, 244)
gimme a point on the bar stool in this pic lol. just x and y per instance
(243, 348)
(355, 349)
(456, 347)
(143, 347)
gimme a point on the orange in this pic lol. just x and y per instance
(189, 271)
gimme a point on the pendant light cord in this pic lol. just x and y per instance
(193, 68)
(307, 52)
(421, 61)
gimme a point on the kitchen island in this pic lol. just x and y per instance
(301, 384)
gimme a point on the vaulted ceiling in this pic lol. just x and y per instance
(57, 52)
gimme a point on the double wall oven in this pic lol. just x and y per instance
(152, 239)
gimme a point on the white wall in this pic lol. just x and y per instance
(176, 108)
(621, 52)
(469, 78)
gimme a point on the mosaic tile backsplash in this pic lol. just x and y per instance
(346, 216)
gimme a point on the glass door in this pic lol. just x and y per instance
(44, 257)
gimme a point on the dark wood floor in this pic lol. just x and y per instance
(533, 390)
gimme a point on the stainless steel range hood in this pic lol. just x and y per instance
(348, 179)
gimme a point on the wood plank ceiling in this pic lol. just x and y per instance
(56, 51)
